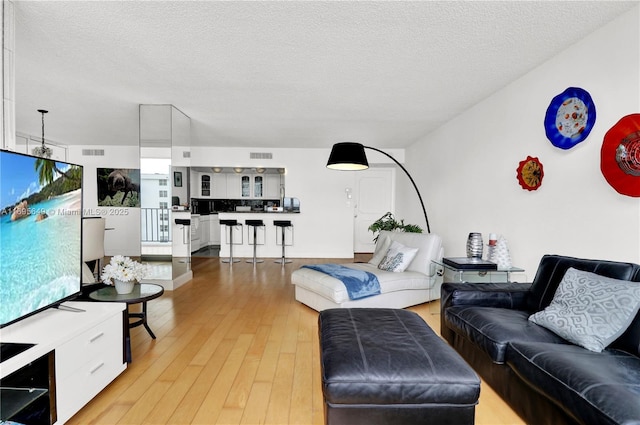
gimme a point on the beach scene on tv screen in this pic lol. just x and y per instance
(40, 233)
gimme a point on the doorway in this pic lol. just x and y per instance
(375, 196)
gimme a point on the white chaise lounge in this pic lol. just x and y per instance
(419, 283)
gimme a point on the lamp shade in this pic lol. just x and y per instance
(347, 156)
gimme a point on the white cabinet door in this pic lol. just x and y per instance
(272, 186)
(258, 186)
(233, 186)
(204, 231)
(219, 186)
(214, 230)
(205, 185)
(246, 183)
(86, 364)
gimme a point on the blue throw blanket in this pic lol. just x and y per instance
(359, 283)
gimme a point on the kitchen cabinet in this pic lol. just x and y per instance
(252, 186)
(245, 186)
(204, 231)
(200, 184)
(258, 186)
(205, 185)
(233, 186)
(272, 186)
(219, 186)
(214, 229)
(195, 232)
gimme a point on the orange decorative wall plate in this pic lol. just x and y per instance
(530, 173)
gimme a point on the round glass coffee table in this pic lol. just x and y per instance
(142, 292)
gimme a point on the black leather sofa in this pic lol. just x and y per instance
(544, 378)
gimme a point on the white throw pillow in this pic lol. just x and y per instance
(590, 310)
(397, 258)
(382, 246)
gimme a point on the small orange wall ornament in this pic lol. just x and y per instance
(530, 173)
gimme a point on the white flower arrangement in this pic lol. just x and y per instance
(123, 269)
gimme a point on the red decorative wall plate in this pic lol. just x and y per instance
(620, 156)
(530, 173)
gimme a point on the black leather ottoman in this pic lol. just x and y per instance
(386, 366)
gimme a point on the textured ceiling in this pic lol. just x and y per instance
(280, 74)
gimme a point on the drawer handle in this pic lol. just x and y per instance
(100, 335)
(95, 369)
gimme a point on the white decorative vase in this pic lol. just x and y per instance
(500, 254)
(123, 287)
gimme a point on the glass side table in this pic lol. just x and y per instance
(470, 275)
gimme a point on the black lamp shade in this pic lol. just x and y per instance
(347, 156)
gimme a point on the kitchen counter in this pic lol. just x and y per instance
(267, 247)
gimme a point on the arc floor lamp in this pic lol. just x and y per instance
(351, 156)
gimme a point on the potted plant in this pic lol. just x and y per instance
(123, 272)
(389, 222)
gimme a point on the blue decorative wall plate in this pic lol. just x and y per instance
(570, 118)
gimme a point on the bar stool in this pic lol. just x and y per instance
(230, 225)
(283, 225)
(255, 224)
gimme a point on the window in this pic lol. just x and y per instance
(164, 205)
(162, 182)
(162, 194)
(164, 227)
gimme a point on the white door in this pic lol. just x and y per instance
(375, 196)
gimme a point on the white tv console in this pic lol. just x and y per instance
(88, 348)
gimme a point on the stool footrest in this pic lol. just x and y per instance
(283, 261)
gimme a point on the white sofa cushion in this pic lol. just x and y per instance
(331, 288)
(382, 246)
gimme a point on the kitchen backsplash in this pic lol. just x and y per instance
(209, 206)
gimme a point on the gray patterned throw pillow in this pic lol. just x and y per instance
(590, 310)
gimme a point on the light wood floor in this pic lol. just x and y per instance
(233, 347)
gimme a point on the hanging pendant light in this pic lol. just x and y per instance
(42, 151)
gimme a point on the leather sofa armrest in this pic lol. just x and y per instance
(500, 295)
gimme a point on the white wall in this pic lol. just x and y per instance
(124, 238)
(466, 170)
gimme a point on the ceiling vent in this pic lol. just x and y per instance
(92, 152)
(260, 155)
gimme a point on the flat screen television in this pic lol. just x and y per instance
(40, 234)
